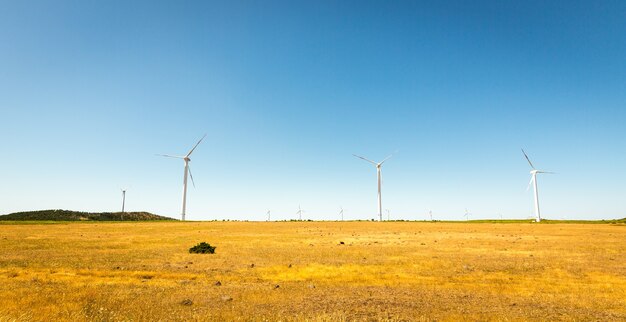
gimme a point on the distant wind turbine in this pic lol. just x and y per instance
(187, 170)
(467, 214)
(123, 201)
(379, 175)
(430, 212)
(341, 213)
(388, 214)
(299, 213)
(269, 215)
(533, 180)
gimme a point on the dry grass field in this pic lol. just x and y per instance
(301, 271)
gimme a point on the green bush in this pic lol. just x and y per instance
(202, 248)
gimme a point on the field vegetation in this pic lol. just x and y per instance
(313, 271)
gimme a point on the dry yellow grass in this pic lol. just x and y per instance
(384, 271)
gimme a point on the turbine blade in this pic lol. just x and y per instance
(548, 172)
(170, 156)
(527, 159)
(191, 176)
(530, 182)
(195, 146)
(368, 160)
(385, 159)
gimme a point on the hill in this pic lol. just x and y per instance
(68, 215)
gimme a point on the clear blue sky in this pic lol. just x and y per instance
(90, 91)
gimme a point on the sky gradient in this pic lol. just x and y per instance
(287, 91)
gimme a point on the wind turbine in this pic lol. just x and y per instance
(430, 212)
(187, 170)
(123, 201)
(341, 213)
(467, 213)
(533, 180)
(268, 215)
(378, 172)
(388, 214)
(299, 213)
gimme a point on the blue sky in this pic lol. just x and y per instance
(286, 91)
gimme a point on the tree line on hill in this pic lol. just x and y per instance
(68, 215)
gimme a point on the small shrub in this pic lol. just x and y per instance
(202, 248)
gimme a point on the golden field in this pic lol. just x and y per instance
(393, 271)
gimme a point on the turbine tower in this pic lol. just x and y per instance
(533, 180)
(186, 171)
(269, 214)
(379, 175)
(123, 200)
(341, 213)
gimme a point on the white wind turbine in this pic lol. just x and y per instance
(378, 173)
(341, 213)
(269, 215)
(299, 213)
(187, 170)
(533, 180)
(123, 200)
